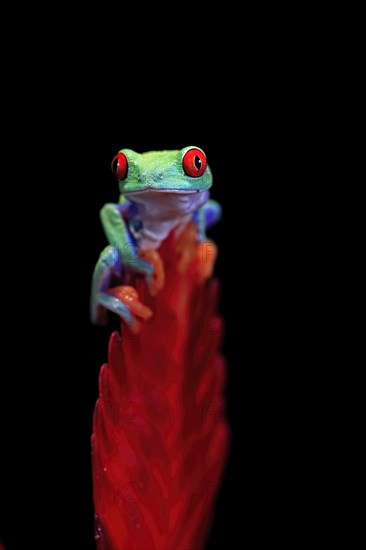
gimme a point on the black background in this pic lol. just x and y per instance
(60, 178)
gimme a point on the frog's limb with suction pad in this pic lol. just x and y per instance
(115, 258)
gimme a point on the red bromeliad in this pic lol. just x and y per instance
(160, 435)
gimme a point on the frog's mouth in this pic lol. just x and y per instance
(166, 191)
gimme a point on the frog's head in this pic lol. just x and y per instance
(184, 171)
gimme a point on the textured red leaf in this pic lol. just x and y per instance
(160, 435)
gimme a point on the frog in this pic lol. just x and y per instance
(160, 192)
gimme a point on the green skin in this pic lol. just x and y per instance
(156, 197)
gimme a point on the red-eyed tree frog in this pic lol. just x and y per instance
(160, 191)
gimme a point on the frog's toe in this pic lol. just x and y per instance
(206, 254)
(124, 301)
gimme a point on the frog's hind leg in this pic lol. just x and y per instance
(122, 300)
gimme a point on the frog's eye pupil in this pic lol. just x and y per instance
(120, 166)
(197, 162)
(194, 162)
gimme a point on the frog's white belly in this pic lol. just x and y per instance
(153, 233)
(160, 213)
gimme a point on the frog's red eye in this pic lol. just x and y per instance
(120, 166)
(194, 163)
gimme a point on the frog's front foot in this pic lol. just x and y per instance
(124, 301)
(156, 280)
(206, 254)
(201, 255)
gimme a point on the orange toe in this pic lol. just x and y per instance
(129, 296)
(206, 254)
